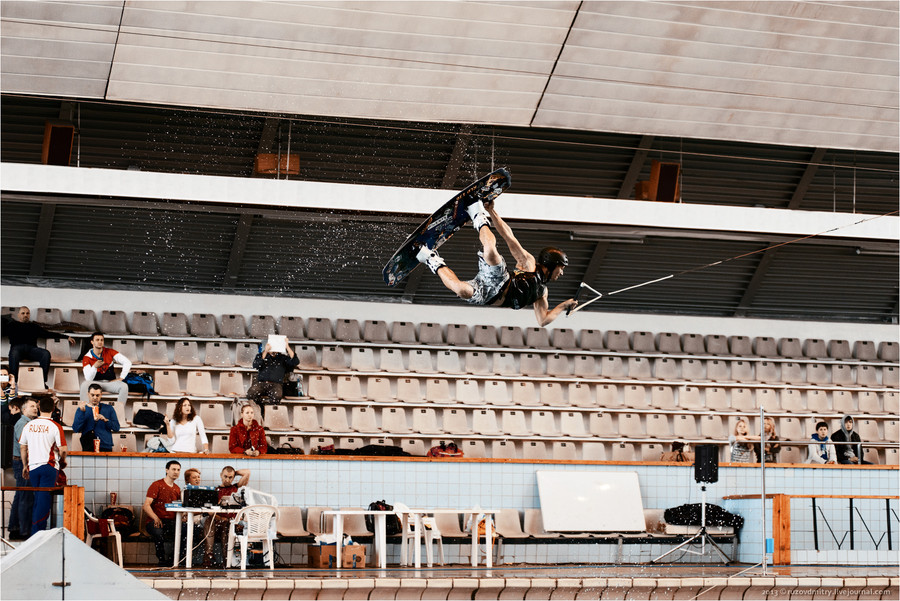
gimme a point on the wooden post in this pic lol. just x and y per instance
(73, 510)
(781, 529)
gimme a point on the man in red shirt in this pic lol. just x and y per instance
(247, 437)
(160, 521)
(216, 527)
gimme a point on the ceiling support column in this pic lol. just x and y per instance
(634, 170)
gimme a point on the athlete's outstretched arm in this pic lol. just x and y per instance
(545, 315)
(524, 259)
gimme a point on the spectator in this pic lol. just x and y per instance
(23, 335)
(247, 437)
(192, 478)
(9, 415)
(847, 444)
(161, 521)
(216, 527)
(23, 501)
(271, 369)
(98, 367)
(741, 449)
(821, 449)
(41, 439)
(96, 420)
(8, 389)
(184, 427)
(772, 448)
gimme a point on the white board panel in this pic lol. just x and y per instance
(591, 501)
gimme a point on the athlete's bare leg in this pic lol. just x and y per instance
(489, 251)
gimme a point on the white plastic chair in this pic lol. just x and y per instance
(430, 534)
(93, 530)
(257, 521)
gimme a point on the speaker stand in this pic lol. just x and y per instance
(702, 536)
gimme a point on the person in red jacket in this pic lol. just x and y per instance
(247, 436)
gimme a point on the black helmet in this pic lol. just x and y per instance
(551, 258)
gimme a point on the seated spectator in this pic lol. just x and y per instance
(96, 421)
(41, 439)
(216, 527)
(160, 521)
(772, 448)
(271, 369)
(848, 445)
(98, 367)
(247, 437)
(184, 427)
(821, 449)
(23, 335)
(192, 478)
(741, 449)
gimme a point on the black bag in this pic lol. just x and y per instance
(381, 450)
(690, 515)
(392, 522)
(123, 518)
(150, 419)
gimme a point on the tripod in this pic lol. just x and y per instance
(702, 535)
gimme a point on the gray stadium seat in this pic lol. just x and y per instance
(203, 325)
(643, 342)
(391, 360)
(483, 336)
(430, 333)
(512, 337)
(591, 340)
(790, 348)
(668, 342)
(538, 338)
(375, 330)
(403, 332)
(839, 349)
(261, 326)
(292, 327)
(458, 335)
(564, 339)
(113, 323)
(585, 366)
(740, 346)
(347, 330)
(693, 344)
(815, 348)
(144, 323)
(617, 340)
(889, 351)
(319, 328)
(233, 326)
(559, 365)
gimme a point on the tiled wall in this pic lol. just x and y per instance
(495, 485)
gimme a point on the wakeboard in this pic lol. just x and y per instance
(443, 223)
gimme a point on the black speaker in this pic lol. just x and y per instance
(706, 463)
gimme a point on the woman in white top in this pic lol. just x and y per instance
(184, 427)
